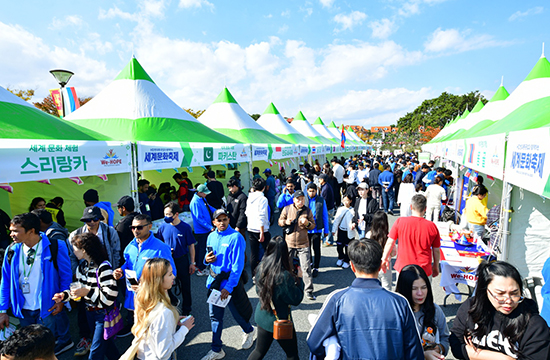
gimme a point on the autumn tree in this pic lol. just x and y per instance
(26, 95)
(48, 106)
(437, 112)
(193, 113)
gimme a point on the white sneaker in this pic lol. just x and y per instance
(204, 272)
(345, 265)
(212, 355)
(248, 339)
(339, 262)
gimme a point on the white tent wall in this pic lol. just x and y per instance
(111, 190)
(529, 239)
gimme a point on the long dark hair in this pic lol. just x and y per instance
(35, 202)
(274, 263)
(407, 276)
(380, 228)
(482, 311)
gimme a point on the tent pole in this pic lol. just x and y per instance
(134, 177)
(250, 175)
(505, 219)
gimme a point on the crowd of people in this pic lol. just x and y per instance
(103, 267)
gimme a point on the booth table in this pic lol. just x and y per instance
(459, 266)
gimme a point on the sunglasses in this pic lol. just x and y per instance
(139, 227)
(90, 220)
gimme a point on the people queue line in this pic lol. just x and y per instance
(345, 203)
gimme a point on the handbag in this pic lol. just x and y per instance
(112, 323)
(282, 329)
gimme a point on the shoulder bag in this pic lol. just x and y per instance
(282, 329)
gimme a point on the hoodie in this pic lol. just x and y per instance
(57, 232)
(257, 212)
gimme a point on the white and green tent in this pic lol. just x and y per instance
(134, 108)
(320, 127)
(273, 121)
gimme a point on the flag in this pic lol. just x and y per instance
(7, 187)
(343, 139)
(45, 181)
(490, 178)
(58, 100)
(103, 177)
(474, 176)
(468, 173)
(70, 102)
(77, 180)
(461, 167)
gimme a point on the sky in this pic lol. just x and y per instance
(360, 62)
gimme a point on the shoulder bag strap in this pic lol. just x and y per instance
(275, 311)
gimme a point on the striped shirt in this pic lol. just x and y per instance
(101, 297)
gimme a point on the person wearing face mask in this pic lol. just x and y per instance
(179, 236)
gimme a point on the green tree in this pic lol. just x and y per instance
(437, 112)
(48, 106)
(26, 95)
(193, 113)
(255, 116)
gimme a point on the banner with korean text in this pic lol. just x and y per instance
(486, 154)
(527, 156)
(32, 160)
(169, 155)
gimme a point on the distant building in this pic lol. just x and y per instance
(385, 129)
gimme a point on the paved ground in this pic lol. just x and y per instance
(330, 278)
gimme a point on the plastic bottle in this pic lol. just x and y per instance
(428, 337)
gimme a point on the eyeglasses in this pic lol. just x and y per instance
(501, 299)
(30, 256)
(90, 220)
(139, 227)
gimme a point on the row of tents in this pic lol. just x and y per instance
(507, 140)
(131, 129)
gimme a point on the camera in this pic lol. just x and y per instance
(289, 229)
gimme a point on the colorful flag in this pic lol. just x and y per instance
(7, 187)
(490, 178)
(343, 138)
(474, 176)
(45, 181)
(77, 180)
(103, 177)
(57, 100)
(468, 173)
(461, 167)
(70, 102)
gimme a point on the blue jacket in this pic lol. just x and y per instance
(202, 221)
(311, 205)
(136, 259)
(386, 178)
(284, 199)
(53, 282)
(105, 205)
(228, 247)
(369, 322)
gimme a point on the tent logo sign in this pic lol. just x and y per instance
(111, 159)
(208, 154)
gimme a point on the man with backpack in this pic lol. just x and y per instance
(108, 236)
(28, 286)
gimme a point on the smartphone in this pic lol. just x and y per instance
(296, 264)
(184, 319)
(209, 249)
(133, 281)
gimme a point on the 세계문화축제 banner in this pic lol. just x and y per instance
(153, 155)
(527, 160)
(32, 160)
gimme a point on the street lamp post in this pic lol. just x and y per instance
(62, 77)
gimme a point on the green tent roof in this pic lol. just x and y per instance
(271, 109)
(134, 71)
(479, 106)
(501, 94)
(541, 70)
(318, 122)
(225, 97)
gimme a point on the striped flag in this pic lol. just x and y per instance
(468, 173)
(474, 176)
(343, 139)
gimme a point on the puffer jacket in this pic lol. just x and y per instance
(298, 238)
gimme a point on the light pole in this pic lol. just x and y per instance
(62, 77)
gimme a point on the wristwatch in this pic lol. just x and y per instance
(193, 263)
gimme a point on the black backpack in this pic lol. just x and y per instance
(54, 249)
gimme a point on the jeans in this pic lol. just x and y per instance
(100, 347)
(255, 256)
(477, 229)
(216, 321)
(387, 196)
(264, 341)
(184, 282)
(377, 194)
(305, 263)
(33, 317)
(200, 250)
(315, 243)
(330, 239)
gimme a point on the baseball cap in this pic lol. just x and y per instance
(92, 212)
(298, 193)
(268, 170)
(219, 212)
(363, 185)
(203, 189)
(125, 201)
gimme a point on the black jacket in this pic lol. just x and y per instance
(216, 195)
(372, 207)
(328, 194)
(236, 205)
(534, 344)
(373, 178)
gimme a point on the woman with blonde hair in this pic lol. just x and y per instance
(156, 320)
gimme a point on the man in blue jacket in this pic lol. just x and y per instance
(318, 207)
(144, 247)
(201, 212)
(30, 278)
(368, 321)
(226, 260)
(286, 197)
(386, 180)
